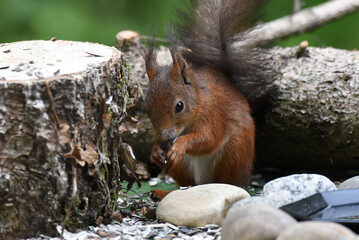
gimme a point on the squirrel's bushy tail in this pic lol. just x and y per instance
(209, 28)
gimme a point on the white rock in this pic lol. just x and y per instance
(349, 183)
(315, 230)
(199, 205)
(292, 188)
(255, 221)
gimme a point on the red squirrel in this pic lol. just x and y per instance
(198, 105)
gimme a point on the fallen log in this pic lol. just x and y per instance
(61, 103)
(313, 120)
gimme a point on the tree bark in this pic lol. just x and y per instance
(313, 119)
(60, 106)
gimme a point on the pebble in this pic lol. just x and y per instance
(292, 188)
(316, 230)
(199, 205)
(253, 200)
(349, 183)
(255, 221)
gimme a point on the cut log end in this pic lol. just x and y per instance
(35, 60)
(126, 39)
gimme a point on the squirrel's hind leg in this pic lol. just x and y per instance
(181, 175)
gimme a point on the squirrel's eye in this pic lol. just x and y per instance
(179, 107)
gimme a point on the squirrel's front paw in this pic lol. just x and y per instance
(176, 153)
(158, 156)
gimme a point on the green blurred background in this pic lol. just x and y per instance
(100, 20)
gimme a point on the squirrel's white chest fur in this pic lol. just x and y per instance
(201, 167)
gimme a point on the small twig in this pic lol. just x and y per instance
(297, 5)
(93, 54)
(305, 20)
(157, 39)
(302, 49)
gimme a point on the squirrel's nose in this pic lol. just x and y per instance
(166, 135)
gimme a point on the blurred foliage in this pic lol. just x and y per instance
(100, 20)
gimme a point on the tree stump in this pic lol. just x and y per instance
(61, 103)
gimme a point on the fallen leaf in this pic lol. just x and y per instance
(130, 177)
(130, 124)
(129, 157)
(89, 155)
(106, 119)
(81, 156)
(130, 166)
(149, 212)
(117, 216)
(76, 153)
(99, 220)
(64, 136)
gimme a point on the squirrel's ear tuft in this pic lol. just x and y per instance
(179, 64)
(151, 68)
(150, 56)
